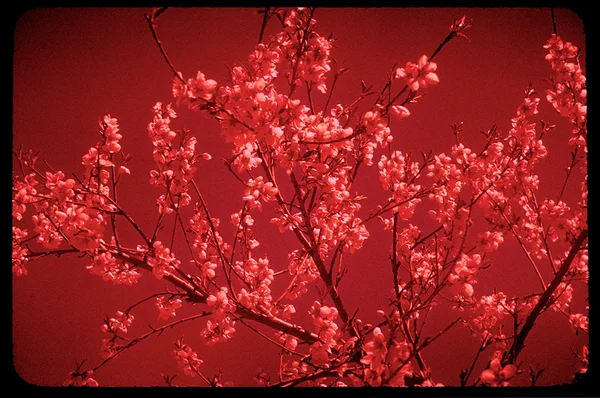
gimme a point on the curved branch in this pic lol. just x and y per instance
(152, 23)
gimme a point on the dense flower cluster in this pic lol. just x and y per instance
(258, 277)
(376, 352)
(69, 210)
(187, 358)
(579, 322)
(569, 92)
(220, 327)
(306, 52)
(115, 328)
(167, 306)
(109, 268)
(174, 166)
(257, 188)
(397, 176)
(324, 322)
(162, 261)
(203, 246)
(19, 253)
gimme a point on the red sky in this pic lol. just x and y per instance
(72, 66)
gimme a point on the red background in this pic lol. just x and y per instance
(72, 66)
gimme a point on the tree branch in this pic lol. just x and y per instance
(152, 23)
(511, 355)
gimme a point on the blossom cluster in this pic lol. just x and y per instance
(397, 176)
(187, 358)
(569, 92)
(162, 261)
(167, 306)
(205, 250)
(115, 327)
(324, 318)
(387, 360)
(174, 165)
(19, 253)
(306, 52)
(257, 188)
(376, 353)
(303, 270)
(220, 327)
(257, 276)
(111, 269)
(496, 374)
(65, 209)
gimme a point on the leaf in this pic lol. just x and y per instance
(462, 35)
(343, 70)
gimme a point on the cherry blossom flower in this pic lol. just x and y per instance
(200, 87)
(497, 375)
(19, 253)
(399, 111)
(115, 328)
(419, 75)
(221, 326)
(110, 269)
(489, 241)
(579, 321)
(187, 358)
(119, 323)
(167, 307)
(257, 188)
(376, 350)
(84, 379)
(161, 260)
(562, 297)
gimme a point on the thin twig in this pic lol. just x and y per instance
(113, 220)
(267, 337)
(214, 236)
(145, 336)
(299, 52)
(264, 24)
(131, 307)
(423, 239)
(446, 40)
(569, 169)
(152, 23)
(121, 212)
(482, 347)
(430, 340)
(509, 224)
(309, 92)
(58, 252)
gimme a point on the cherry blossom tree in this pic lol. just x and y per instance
(301, 163)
